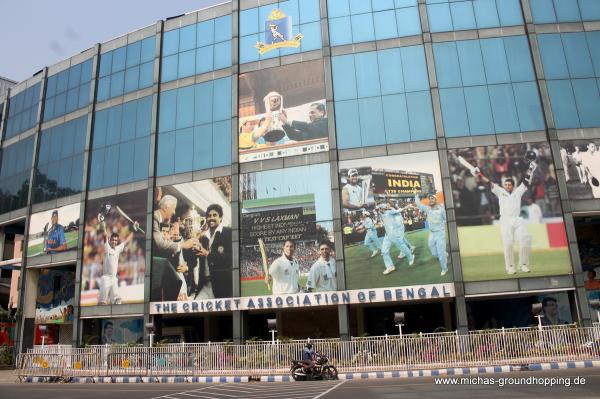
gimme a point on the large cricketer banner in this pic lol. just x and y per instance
(122, 331)
(282, 112)
(54, 303)
(280, 207)
(581, 163)
(508, 212)
(114, 247)
(394, 221)
(53, 231)
(191, 241)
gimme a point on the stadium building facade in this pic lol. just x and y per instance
(194, 173)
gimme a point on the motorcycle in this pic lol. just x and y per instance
(320, 370)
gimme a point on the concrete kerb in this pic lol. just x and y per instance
(459, 371)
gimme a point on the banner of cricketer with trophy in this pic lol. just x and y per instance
(286, 239)
(394, 221)
(508, 212)
(191, 241)
(114, 248)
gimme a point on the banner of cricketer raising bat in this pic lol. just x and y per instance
(508, 212)
(394, 221)
(286, 240)
(114, 250)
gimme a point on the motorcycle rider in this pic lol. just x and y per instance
(308, 355)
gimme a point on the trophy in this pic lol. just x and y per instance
(274, 105)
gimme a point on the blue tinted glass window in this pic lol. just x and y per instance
(23, 110)
(15, 170)
(449, 15)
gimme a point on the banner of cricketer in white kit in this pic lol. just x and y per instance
(286, 240)
(114, 250)
(394, 221)
(581, 163)
(506, 200)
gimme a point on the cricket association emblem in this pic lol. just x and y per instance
(278, 33)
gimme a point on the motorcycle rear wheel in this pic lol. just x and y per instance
(330, 373)
(297, 373)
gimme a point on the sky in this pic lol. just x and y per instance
(39, 33)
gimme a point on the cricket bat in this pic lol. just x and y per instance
(124, 216)
(467, 165)
(265, 261)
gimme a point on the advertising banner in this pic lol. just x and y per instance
(56, 289)
(122, 331)
(191, 241)
(394, 221)
(508, 212)
(282, 112)
(53, 231)
(286, 231)
(581, 162)
(114, 247)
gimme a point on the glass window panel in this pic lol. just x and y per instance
(504, 108)
(48, 110)
(379, 5)
(222, 28)
(588, 101)
(148, 49)
(564, 108)
(202, 147)
(74, 76)
(105, 63)
(66, 165)
(590, 9)
(347, 124)
(362, 28)
(543, 11)
(128, 121)
(86, 71)
(80, 135)
(55, 145)
(463, 16)
(454, 112)
(509, 12)
(185, 107)
(51, 86)
(132, 77)
(290, 8)
(103, 88)
(133, 54)
(248, 52)
(385, 25)
(187, 64)
(97, 168)
(359, 6)
(168, 111)
(44, 153)
(593, 39)
(390, 71)
(528, 106)
(494, 59)
(222, 55)
(171, 42)
(395, 118)
(68, 139)
(146, 74)
(567, 10)
(519, 61)
(553, 57)
(165, 162)
(187, 38)
(486, 13)
(471, 62)
(113, 129)
(84, 95)
(371, 121)
(479, 111)
(143, 117)
(60, 103)
(248, 21)
(184, 143)
(447, 67)
(312, 38)
(100, 127)
(141, 160)
(578, 56)
(61, 83)
(221, 143)
(366, 67)
(222, 99)
(408, 21)
(117, 81)
(338, 8)
(76, 173)
(203, 95)
(126, 154)
(309, 11)
(118, 59)
(420, 115)
(340, 31)
(440, 19)
(414, 68)
(169, 68)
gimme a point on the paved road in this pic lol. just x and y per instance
(365, 389)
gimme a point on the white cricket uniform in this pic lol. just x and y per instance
(512, 225)
(285, 275)
(564, 156)
(355, 194)
(593, 164)
(535, 213)
(578, 160)
(110, 283)
(322, 275)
